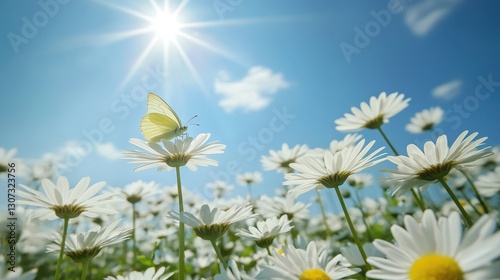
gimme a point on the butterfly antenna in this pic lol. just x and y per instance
(195, 116)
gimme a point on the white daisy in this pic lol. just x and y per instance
(212, 224)
(189, 152)
(437, 249)
(425, 120)
(6, 157)
(421, 168)
(85, 246)
(333, 170)
(148, 274)
(265, 231)
(61, 201)
(249, 178)
(232, 273)
(489, 183)
(280, 160)
(360, 180)
(278, 206)
(373, 115)
(219, 188)
(138, 190)
(349, 140)
(306, 264)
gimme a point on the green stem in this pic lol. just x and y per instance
(181, 225)
(217, 251)
(476, 192)
(470, 202)
(417, 199)
(61, 252)
(85, 268)
(134, 246)
(325, 221)
(353, 230)
(268, 251)
(455, 199)
(360, 206)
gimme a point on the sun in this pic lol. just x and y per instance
(165, 27)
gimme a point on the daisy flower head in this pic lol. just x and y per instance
(6, 157)
(189, 152)
(421, 168)
(61, 201)
(489, 184)
(265, 231)
(232, 273)
(373, 115)
(278, 206)
(437, 249)
(360, 180)
(333, 170)
(149, 274)
(213, 223)
(138, 190)
(280, 160)
(349, 140)
(219, 188)
(425, 120)
(249, 178)
(84, 246)
(308, 264)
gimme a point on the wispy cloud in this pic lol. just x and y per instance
(252, 93)
(448, 90)
(425, 15)
(108, 150)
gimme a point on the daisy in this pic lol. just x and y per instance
(278, 206)
(249, 178)
(189, 152)
(219, 188)
(213, 223)
(232, 273)
(437, 249)
(360, 180)
(336, 145)
(138, 190)
(333, 170)
(421, 168)
(373, 115)
(280, 160)
(308, 264)
(425, 120)
(59, 201)
(265, 231)
(6, 157)
(489, 183)
(85, 246)
(148, 274)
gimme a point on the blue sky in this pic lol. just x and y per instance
(72, 79)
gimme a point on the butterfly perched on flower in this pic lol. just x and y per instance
(160, 122)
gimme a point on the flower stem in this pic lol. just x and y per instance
(322, 207)
(268, 251)
(470, 202)
(134, 245)
(360, 206)
(455, 199)
(85, 268)
(217, 251)
(353, 230)
(417, 199)
(476, 192)
(181, 225)
(61, 252)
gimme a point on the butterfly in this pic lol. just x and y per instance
(160, 122)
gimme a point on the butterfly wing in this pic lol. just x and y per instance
(157, 105)
(157, 126)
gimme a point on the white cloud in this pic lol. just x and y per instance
(108, 150)
(448, 90)
(425, 15)
(252, 93)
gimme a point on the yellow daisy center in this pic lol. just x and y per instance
(436, 267)
(314, 274)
